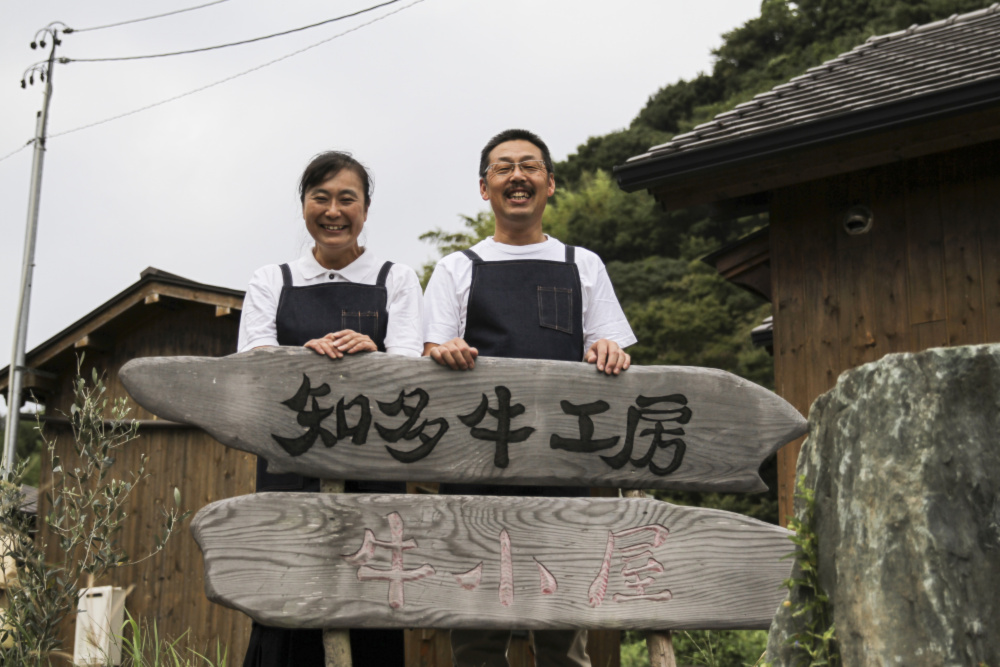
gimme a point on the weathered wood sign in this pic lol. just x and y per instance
(342, 560)
(510, 421)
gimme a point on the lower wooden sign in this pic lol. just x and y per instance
(350, 560)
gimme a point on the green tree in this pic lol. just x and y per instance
(616, 225)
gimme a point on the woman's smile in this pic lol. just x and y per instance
(335, 215)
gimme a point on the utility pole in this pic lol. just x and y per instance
(17, 363)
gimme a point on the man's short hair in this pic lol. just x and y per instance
(514, 135)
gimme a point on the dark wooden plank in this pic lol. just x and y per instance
(889, 271)
(328, 560)
(925, 242)
(857, 313)
(715, 427)
(930, 334)
(988, 216)
(823, 206)
(790, 209)
(428, 647)
(963, 272)
(856, 322)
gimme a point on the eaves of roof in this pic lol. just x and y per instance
(152, 283)
(653, 169)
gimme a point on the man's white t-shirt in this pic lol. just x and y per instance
(446, 299)
(403, 304)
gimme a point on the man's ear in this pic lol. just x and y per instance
(552, 184)
(483, 192)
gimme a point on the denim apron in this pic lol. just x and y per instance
(524, 309)
(305, 313)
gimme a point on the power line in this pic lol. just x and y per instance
(236, 76)
(16, 151)
(148, 18)
(223, 46)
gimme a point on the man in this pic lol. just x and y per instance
(522, 294)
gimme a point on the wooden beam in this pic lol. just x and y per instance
(35, 383)
(405, 561)
(510, 421)
(94, 341)
(151, 298)
(222, 311)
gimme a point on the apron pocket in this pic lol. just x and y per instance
(555, 308)
(362, 321)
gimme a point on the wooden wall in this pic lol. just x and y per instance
(926, 275)
(169, 587)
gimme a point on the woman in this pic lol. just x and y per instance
(336, 299)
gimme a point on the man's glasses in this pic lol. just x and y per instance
(504, 169)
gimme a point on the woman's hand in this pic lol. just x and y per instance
(335, 345)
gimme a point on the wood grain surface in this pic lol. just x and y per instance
(356, 560)
(509, 421)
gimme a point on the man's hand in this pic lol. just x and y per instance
(608, 356)
(455, 354)
(335, 345)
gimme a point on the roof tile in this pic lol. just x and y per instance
(920, 60)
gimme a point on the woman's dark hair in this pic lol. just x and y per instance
(329, 164)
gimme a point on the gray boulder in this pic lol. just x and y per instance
(904, 457)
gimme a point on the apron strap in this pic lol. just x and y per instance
(383, 274)
(570, 253)
(286, 275)
(476, 259)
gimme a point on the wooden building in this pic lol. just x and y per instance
(160, 315)
(880, 173)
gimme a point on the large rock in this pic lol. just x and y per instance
(904, 457)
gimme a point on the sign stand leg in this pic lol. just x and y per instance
(659, 644)
(336, 643)
(661, 649)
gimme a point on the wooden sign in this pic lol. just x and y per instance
(509, 421)
(344, 560)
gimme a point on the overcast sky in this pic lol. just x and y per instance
(205, 186)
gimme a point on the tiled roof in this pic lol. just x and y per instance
(909, 64)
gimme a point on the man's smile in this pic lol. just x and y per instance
(519, 194)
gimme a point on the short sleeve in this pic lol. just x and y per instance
(260, 306)
(404, 335)
(444, 316)
(603, 315)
